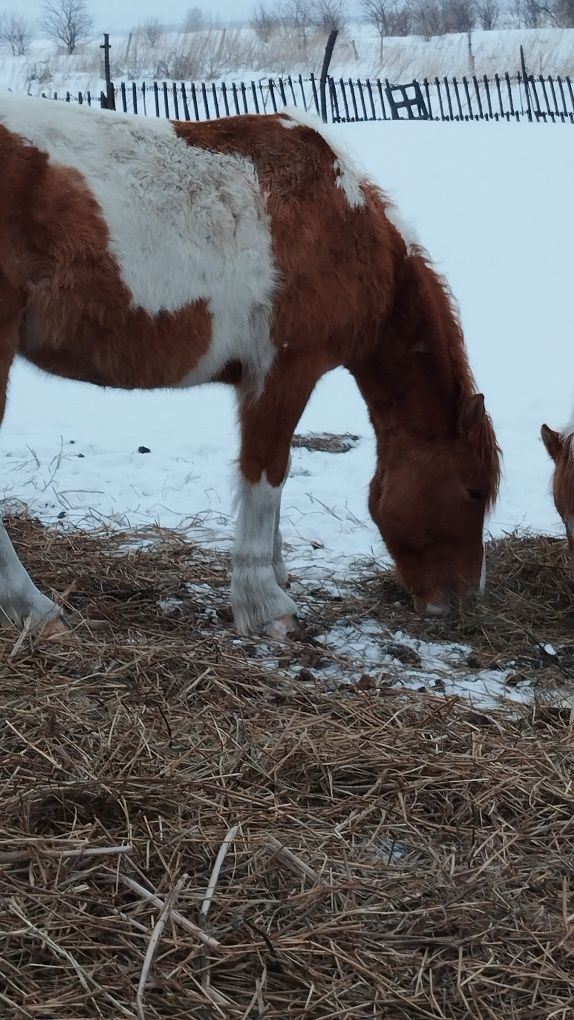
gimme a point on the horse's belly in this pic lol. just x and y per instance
(130, 349)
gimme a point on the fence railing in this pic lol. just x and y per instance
(472, 98)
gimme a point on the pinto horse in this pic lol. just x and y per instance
(141, 253)
(560, 446)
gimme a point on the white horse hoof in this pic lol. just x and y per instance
(279, 629)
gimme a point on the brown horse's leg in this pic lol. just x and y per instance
(267, 425)
(20, 601)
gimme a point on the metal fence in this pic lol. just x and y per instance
(472, 98)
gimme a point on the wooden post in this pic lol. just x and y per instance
(110, 97)
(526, 84)
(325, 70)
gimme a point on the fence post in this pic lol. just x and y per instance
(110, 96)
(325, 70)
(526, 83)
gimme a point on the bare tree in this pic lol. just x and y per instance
(438, 17)
(529, 13)
(488, 13)
(458, 15)
(562, 12)
(376, 12)
(328, 14)
(297, 15)
(15, 32)
(427, 17)
(194, 20)
(264, 22)
(150, 30)
(67, 22)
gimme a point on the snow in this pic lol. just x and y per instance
(491, 202)
(437, 666)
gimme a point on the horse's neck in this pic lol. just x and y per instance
(419, 371)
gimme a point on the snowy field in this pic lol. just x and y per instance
(492, 204)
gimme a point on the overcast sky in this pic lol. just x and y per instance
(115, 15)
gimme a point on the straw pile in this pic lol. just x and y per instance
(187, 833)
(524, 620)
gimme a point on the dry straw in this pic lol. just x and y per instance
(186, 833)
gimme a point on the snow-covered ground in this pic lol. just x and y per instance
(492, 202)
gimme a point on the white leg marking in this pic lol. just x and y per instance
(256, 597)
(482, 584)
(20, 600)
(279, 568)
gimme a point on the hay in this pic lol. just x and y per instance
(186, 833)
(325, 442)
(525, 618)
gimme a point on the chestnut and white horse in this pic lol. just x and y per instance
(141, 253)
(560, 446)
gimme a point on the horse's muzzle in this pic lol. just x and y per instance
(432, 607)
(440, 603)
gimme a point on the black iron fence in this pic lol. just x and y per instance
(469, 98)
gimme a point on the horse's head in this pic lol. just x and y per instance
(429, 499)
(561, 449)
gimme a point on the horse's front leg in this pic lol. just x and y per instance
(268, 421)
(21, 603)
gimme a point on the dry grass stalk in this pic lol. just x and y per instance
(156, 934)
(229, 837)
(288, 858)
(208, 940)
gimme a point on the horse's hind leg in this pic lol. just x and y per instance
(267, 425)
(20, 601)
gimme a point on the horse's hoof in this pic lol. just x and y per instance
(279, 629)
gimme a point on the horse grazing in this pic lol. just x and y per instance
(141, 253)
(560, 446)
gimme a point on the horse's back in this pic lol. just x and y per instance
(158, 252)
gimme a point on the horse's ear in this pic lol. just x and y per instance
(471, 414)
(552, 441)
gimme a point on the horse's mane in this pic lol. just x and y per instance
(564, 477)
(436, 286)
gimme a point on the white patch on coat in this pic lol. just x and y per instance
(20, 600)
(257, 599)
(348, 177)
(405, 229)
(185, 223)
(347, 180)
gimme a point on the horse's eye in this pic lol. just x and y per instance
(475, 495)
